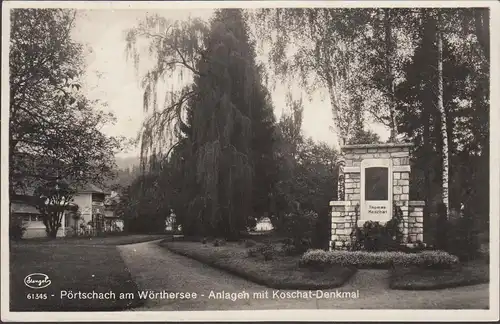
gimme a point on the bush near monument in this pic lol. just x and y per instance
(363, 259)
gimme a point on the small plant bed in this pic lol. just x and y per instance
(464, 274)
(269, 267)
(378, 260)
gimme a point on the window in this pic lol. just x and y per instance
(30, 218)
(36, 218)
(67, 219)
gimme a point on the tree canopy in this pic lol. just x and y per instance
(55, 131)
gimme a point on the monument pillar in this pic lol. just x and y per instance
(376, 178)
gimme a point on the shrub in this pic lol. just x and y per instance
(256, 250)
(289, 250)
(219, 242)
(434, 259)
(300, 226)
(269, 253)
(204, 241)
(442, 228)
(463, 238)
(250, 243)
(458, 236)
(16, 231)
(373, 236)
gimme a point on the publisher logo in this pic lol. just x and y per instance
(37, 280)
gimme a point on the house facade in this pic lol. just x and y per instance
(92, 217)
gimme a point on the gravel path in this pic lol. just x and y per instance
(155, 268)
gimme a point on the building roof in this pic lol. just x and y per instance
(23, 208)
(29, 190)
(264, 220)
(91, 188)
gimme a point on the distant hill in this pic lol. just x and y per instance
(127, 171)
(127, 163)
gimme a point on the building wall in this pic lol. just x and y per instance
(344, 212)
(37, 229)
(84, 202)
(264, 225)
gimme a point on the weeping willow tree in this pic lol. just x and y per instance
(207, 123)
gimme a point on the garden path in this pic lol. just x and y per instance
(155, 268)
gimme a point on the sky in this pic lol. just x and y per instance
(112, 79)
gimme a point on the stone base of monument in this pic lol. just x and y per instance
(376, 177)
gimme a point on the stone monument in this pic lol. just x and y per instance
(372, 179)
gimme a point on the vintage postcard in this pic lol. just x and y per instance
(250, 161)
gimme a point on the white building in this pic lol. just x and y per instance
(264, 224)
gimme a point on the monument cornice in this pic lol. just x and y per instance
(379, 145)
(395, 168)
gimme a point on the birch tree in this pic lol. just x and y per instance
(442, 113)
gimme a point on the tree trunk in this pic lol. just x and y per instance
(389, 77)
(442, 112)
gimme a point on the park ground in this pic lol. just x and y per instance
(137, 263)
(73, 265)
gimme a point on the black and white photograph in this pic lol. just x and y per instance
(249, 161)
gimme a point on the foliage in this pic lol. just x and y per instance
(394, 225)
(442, 228)
(256, 250)
(306, 176)
(325, 40)
(363, 259)
(373, 236)
(458, 236)
(219, 242)
(251, 223)
(383, 63)
(300, 227)
(463, 239)
(267, 250)
(54, 131)
(222, 122)
(16, 231)
(53, 200)
(250, 243)
(269, 253)
(365, 137)
(278, 273)
(466, 103)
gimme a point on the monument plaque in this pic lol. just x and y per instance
(376, 190)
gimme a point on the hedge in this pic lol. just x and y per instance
(364, 259)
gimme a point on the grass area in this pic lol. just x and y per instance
(282, 272)
(94, 240)
(69, 268)
(469, 273)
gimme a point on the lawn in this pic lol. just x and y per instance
(469, 273)
(282, 272)
(72, 267)
(112, 240)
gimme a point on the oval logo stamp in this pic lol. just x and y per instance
(37, 280)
